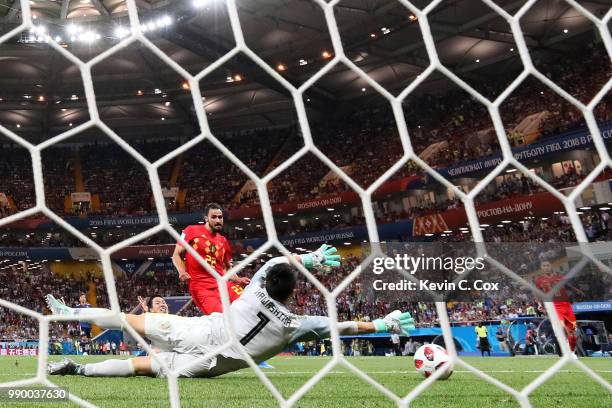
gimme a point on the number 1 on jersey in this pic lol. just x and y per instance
(263, 320)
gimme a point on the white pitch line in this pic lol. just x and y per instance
(280, 372)
(239, 373)
(17, 375)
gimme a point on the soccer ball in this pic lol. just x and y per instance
(430, 357)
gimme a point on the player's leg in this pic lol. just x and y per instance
(187, 365)
(143, 365)
(572, 339)
(566, 316)
(108, 368)
(111, 323)
(196, 297)
(207, 300)
(570, 326)
(211, 303)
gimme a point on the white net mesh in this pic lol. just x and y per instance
(522, 396)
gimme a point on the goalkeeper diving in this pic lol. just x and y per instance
(260, 318)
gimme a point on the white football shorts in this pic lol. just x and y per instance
(188, 335)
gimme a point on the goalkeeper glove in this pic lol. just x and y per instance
(322, 256)
(395, 322)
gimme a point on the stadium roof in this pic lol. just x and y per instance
(41, 94)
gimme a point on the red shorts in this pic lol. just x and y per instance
(209, 300)
(566, 314)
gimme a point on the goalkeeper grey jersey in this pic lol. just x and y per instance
(266, 327)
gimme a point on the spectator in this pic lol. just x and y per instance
(530, 341)
(410, 347)
(500, 335)
(395, 340)
(483, 339)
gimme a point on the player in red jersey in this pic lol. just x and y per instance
(214, 248)
(561, 301)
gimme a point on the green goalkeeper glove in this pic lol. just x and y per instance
(395, 322)
(322, 256)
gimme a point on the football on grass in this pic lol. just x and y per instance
(430, 357)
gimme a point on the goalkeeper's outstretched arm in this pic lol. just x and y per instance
(394, 322)
(319, 327)
(325, 255)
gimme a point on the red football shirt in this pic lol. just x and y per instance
(546, 282)
(215, 249)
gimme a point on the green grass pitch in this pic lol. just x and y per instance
(568, 388)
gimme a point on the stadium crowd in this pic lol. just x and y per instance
(352, 304)
(27, 286)
(58, 170)
(553, 229)
(16, 179)
(37, 281)
(206, 172)
(364, 143)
